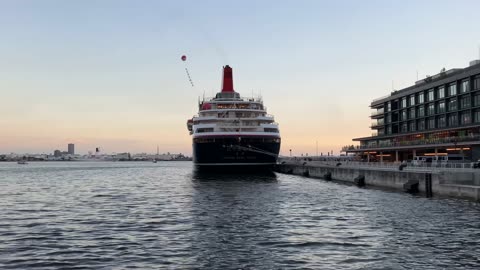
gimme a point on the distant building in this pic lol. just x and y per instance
(71, 149)
(57, 153)
(438, 116)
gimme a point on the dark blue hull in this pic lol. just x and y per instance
(236, 152)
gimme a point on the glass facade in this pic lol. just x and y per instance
(465, 102)
(465, 118)
(411, 113)
(452, 120)
(476, 83)
(431, 123)
(403, 115)
(421, 124)
(430, 95)
(452, 105)
(441, 92)
(434, 111)
(441, 122)
(412, 126)
(431, 109)
(465, 86)
(441, 107)
(476, 100)
(476, 116)
(421, 111)
(452, 89)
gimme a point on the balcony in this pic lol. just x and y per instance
(377, 113)
(377, 124)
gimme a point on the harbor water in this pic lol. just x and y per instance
(118, 215)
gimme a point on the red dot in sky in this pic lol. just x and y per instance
(184, 58)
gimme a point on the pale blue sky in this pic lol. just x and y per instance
(108, 73)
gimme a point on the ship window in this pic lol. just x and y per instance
(274, 130)
(202, 130)
(204, 140)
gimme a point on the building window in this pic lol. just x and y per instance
(465, 86)
(452, 104)
(404, 127)
(465, 118)
(421, 111)
(421, 124)
(452, 89)
(412, 100)
(404, 102)
(389, 106)
(430, 95)
(476, 83)
(403, 116)
(388, 119)
(452, 120)
(441, 92)
(431, 109)
(441, 107)
(476, 100)
(441, 122)
(412, 113)
(420, 98)
(431, 123)
(465, 102)
(476, 116)
(412, 126)
(389, 129)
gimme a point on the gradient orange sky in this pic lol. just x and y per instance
(108, 74)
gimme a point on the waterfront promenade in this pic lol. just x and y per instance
(460, 180)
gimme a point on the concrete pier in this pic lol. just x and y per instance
(450, 183)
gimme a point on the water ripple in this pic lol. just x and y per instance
(143, 215)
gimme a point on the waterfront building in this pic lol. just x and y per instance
(71, 149)
(438, 116)
(57, 153)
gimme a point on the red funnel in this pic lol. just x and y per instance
(227, 83)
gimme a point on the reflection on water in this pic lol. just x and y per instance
(167, 215)
(231, 212)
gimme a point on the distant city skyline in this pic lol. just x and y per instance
(108, 73)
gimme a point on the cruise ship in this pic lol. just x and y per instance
(233, 132)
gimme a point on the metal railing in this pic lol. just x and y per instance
(445, 140)
(410, 166)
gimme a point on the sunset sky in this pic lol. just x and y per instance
(108, 73)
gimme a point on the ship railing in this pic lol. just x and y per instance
(242, 98)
